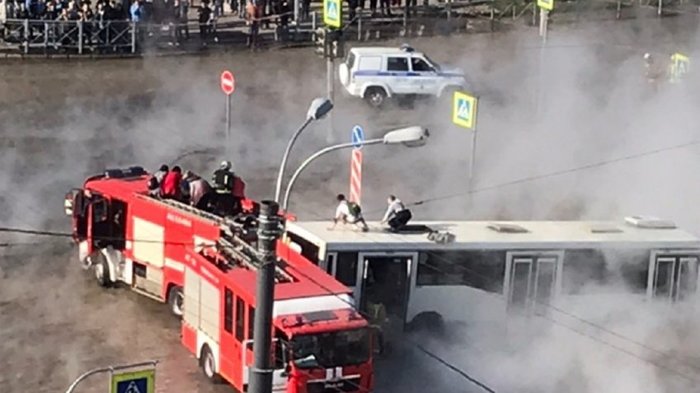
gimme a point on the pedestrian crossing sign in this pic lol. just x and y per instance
(464, 110)
(680, 65)
(546, 4)
(332, 13)
(142, 381)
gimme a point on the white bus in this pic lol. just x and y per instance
(491, 269)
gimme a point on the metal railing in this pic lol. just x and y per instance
(46, 36)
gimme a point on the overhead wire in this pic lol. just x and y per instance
(543, 176)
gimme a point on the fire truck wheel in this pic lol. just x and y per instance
(176, 301)
(209, 365)
(102, 272)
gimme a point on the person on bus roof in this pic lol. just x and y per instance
(156, 180)
(349, 213)
(397, 216)
(170, 186)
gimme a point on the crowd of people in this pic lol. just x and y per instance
(223, 196)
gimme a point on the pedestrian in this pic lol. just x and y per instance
(397, 216)
(205, 19)
(349, 213)
(170, 187)
(156, 180)
(253, 20)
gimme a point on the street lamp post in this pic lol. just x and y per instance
(317, 110)
(411, 137)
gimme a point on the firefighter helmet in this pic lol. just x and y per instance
(226, 165)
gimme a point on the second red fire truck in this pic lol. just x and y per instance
(204, 267)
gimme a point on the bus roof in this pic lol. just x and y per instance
(498, 234)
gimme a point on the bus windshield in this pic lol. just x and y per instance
(332, 349)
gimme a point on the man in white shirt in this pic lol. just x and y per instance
(349, 213)
(397, 216)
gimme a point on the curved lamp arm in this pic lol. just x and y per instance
(315, 156)
(285, 157)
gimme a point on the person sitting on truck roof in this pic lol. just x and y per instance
(198, 188)
(156, 180)
(170, 186)
(349, 213)
(397, 216)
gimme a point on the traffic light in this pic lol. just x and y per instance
(337, 47)
(321, 42)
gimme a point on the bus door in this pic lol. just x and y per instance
(673, 277)
(532, 280)
(385, 280)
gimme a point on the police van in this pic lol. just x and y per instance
(376, 74)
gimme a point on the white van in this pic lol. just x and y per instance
(376, 74)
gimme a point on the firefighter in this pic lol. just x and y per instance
(397, 216)
(156, 180)
(170, 186)
(229, 188)
(349, 213)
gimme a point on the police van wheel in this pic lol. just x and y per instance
(208, 365)
(176, 301)
(375, 96)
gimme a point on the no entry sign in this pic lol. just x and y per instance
(228, 83)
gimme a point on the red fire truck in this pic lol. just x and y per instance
(204, 267)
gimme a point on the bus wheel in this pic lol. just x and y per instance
(429, 322)
(101, 269)
(176, 301)
(208, 365)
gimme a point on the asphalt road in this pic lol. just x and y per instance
(61, 121)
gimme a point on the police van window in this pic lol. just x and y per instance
(240, 318)
(370, 63)
(397, 64)
(346, 268)
(350, 61)
(419, 65)
(228, 310)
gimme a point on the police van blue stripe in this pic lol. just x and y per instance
(399, 73)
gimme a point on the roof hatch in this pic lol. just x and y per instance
(506, 228)
(649, 222)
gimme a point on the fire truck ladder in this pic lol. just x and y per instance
(190, 209)
(239, 252)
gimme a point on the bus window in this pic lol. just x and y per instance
(631, 267)
(240, 316)
(482, 269)
(308, 249)
(346, 268)
(582, 268)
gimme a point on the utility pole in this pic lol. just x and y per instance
(269, 230)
